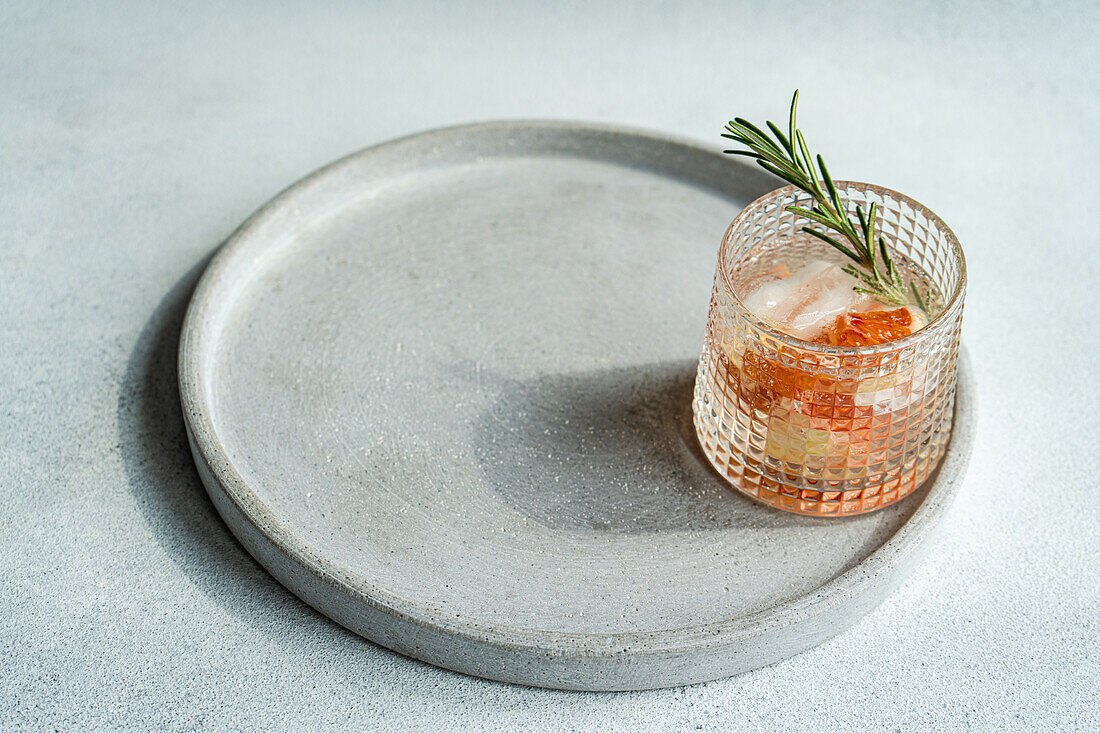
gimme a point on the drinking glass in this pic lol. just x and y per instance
(829, 430)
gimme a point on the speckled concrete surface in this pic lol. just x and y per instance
(134, 138)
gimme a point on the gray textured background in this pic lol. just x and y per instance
(133, 138)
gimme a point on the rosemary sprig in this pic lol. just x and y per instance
(789, 157)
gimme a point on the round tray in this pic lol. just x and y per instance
(441, 390)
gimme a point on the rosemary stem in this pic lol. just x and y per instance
(789, 158)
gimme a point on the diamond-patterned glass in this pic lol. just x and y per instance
(829, 430)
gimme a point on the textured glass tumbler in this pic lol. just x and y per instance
(818, 429)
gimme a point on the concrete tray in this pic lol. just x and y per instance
(441, 390)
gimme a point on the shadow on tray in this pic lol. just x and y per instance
(611, 450)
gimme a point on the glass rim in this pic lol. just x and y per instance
(953, 305)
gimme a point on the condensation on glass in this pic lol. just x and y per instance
(820, 429)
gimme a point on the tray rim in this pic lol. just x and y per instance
(196, 341)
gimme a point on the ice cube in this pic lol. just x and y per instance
(809, 301)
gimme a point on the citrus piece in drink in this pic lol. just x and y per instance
(870, 328)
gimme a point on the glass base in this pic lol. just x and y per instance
(737, 452)
(753, 480)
